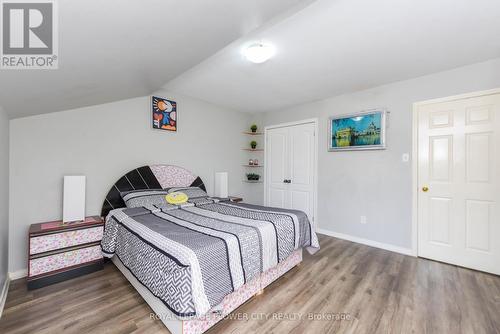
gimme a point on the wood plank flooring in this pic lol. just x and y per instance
(347, 287)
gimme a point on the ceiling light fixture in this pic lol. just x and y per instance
(258, 53)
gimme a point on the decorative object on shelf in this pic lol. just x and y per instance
(256, 162)
(253, 144)
(221, 184)
(74, 199)
(253, 177)
(250, 162)
(253, 128)
(359, 131)
(164, 114)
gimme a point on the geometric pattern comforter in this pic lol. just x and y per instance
(192, 256)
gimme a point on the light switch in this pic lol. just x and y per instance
(405, 157)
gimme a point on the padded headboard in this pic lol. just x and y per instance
(149, 177)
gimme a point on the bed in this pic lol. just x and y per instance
(196, 262)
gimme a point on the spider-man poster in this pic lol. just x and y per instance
(164, 114)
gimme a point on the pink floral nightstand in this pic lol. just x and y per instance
(58, 251)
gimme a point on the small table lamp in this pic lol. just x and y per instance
(74, 199)
(221, 184)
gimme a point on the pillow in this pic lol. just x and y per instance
(139, 198)
(176, 197)
(157, 197)
(191, 192)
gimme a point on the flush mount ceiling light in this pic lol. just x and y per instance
(258, 53)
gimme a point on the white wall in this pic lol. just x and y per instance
(377, 184)
(104, 142)
(4, 196)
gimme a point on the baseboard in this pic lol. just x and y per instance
(18, 274)
(3, 294)
(372, 243)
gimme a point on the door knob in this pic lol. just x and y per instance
(425, 189)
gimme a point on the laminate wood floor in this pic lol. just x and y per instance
(344, 288)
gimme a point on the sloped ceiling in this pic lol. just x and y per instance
(111, 50)
(335, 47)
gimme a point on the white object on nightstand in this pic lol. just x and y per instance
(74, 199)
(221, 184)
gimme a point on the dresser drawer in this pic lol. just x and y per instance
(49, 242)
(59, 261)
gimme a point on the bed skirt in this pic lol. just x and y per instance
(229, 303)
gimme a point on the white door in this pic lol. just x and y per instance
(290, 167)
(277, 167)
(301, 168)
(459, 184)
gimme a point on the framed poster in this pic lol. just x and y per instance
(359, 131)
(164, 114)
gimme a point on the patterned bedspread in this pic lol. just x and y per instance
(191, 257)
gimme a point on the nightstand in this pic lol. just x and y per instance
(59, 251)
(235, 199)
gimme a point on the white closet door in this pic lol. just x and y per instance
(290, 167)
(458, 173)
(301, 168)
(277, 167)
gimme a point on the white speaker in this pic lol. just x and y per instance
(221, 184)
(74, 199)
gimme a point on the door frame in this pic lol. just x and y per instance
(315, 169)
(415, 181)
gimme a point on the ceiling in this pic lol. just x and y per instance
(334, 47)
(112, 50)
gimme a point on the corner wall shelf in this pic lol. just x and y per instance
(249, 168)
(254, 133)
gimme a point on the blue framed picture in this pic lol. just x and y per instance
(360, 131)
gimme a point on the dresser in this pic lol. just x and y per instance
(59, 251)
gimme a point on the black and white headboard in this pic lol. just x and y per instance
(149, 177)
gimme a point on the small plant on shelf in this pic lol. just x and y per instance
(253, 177)
(253, 128)
(253, 144)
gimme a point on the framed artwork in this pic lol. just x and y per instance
(164, 114)
(359, 131)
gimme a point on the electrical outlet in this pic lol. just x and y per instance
(363, 220)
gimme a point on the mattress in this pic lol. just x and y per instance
(192, 257)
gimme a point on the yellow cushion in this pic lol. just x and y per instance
(177, 198)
